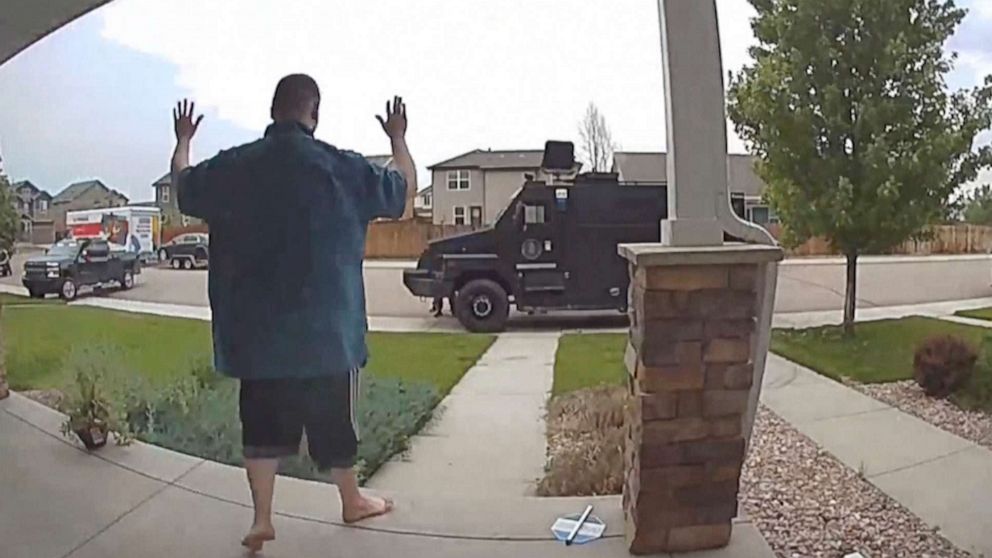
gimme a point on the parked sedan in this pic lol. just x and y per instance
(186, 251)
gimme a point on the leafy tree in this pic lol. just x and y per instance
(596, 140)
(976, 207)
(9, 220)
(857, 136)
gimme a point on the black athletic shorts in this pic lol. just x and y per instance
(275, 413)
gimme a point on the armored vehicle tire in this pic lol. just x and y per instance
(482, 306)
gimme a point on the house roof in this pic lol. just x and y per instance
(165, 180)
(653, 167)
(489, 159)
(35, 191)
(76, 189)
(23, 183)
(426, 190)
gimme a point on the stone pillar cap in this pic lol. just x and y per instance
(657, 255)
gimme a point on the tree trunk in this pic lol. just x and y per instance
(4, 390)
(851, 293)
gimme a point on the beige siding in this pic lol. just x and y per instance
(500, 185)
(446, 200)
(742, 178)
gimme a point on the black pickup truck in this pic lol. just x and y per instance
(71, 265)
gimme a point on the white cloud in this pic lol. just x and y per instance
(500, 74)
(982, 8)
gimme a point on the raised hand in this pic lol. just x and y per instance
(394, 124)
(183, 122)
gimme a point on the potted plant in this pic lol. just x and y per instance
(92, 414)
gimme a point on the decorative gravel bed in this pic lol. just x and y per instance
(808, 504)
(907, 396)
(804, 501)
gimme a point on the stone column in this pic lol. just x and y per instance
(699, 324)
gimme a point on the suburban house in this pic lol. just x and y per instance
(652, 168)
(33, 207)
(423, 204)
(167, 200)
(473, 188)
(89, 194)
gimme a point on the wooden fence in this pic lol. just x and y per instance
(942, 239)
(386, 239)
(407, 240)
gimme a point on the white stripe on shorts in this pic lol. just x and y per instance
(355, 384)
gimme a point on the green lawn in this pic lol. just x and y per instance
(587, 360)
(979, 314)
(162, 349)
(881, 351)
(9, 299)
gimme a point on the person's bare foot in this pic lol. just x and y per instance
(367, 507)
(257, 536)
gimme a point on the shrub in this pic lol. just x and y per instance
(942, 364)
(93, 404)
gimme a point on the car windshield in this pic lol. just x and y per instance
(64, 249)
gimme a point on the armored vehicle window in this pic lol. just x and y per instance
(533, 214)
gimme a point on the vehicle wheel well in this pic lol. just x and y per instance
(469, 276)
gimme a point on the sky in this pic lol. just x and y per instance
(93, 99)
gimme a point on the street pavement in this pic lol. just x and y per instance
(805, 285)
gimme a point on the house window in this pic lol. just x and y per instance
(459, 215)
(475, 215)
(459, 179)
(762, 215)
(165, 194)
(41, 206)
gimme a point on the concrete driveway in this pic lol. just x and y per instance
(804, 284)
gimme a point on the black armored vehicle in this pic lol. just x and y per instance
(554, 247)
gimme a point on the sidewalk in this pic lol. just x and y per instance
(62, 502)
(942, 310)
(488, 438)
(944, 480)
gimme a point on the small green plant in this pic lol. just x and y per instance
(93, 410)
(942, 364)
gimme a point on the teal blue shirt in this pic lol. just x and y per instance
(288, 216)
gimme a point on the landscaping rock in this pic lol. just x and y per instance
(808, 504)
(804, 501)
(942, 413)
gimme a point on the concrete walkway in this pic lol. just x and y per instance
(944, 480)
(60, 502)
(489, 439)
(943, 310)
